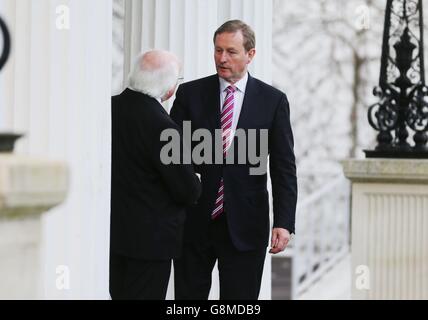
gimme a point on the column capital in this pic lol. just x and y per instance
(30, 186)
(386, 170)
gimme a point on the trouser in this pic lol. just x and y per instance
(135, 279)
(240, 273)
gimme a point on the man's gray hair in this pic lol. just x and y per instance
(154, 73)
(233, 26)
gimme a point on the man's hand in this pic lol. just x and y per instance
(280, 239)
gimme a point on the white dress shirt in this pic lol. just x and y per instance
(241, 85)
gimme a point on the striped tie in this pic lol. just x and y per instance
(226, 126)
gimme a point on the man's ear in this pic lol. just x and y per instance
(168, 95)
(251, 54)
(171, 93)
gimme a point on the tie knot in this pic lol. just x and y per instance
(231, 89)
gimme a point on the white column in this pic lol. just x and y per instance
(186, 27)
(57, 91)
(28, 188)
(389, 223)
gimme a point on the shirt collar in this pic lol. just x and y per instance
(240, 85)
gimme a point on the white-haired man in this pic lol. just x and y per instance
(148, 198)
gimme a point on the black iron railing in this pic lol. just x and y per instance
(402, 109)
(7, 140)
(6, 43)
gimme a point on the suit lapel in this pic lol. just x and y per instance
(212, 102)
(249, 105)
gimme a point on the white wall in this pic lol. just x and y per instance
(56, 90)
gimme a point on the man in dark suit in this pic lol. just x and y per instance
(230, 223)
(148, 198)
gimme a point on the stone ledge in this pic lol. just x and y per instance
(386, 170)
(30, 186)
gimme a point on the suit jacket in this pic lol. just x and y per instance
(246, 198)
(148, 198)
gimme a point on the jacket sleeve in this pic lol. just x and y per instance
(180, 179)
(179, 114)
(283, 168)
